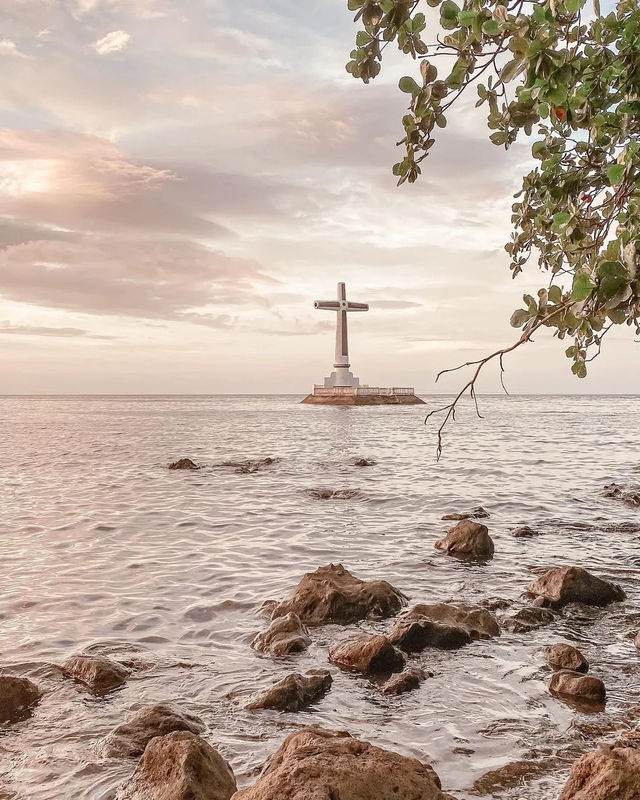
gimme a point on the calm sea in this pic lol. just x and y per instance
(103, 546)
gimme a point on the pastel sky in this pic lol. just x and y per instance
(181, 179)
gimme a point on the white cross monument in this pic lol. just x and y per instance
(342, 375)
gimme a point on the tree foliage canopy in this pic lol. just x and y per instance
(568, 76)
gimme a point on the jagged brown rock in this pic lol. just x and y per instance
(369, 655)
(183, 463)
(605, 774)
(467, 539)
(444, 626)
(333, 494)
(406, 681)
(316, 764)
(630, 496)
(564, 656)
(286, 634)
(476, 513)
(524, 532)
(332, 594)
(179, 766)
(477, 621)
(98, 673)
(364, 462)
(528, 619)
(569, 683)
(249, 466)
(559, 586)
(294, 692)
(131, 738)
(18, 696)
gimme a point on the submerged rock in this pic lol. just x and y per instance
(179, 766)
(564, 656)
(605, 774)
(573, 684)
(408, 680)
(524, 532)
(370, 655)
(559, 586)
(637, 640)
(476, 513)
(332, 594)
(98, 673)
(630, 496)
(364, 462)
(286, 634)
(444, 626)
(467, 539)
(333, 494)
(248, 466)
(294, 692)
(18, 696)
(131, 738)
(316, 764)
(528, 619)
(183, 463)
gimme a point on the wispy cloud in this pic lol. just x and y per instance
(113, 42)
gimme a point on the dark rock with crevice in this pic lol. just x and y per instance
(369, 655)
(364, 462)
(285, 635)
(445, 626)
(131, 738)
(248, 466)
(564, 656)
(332, 594)
(98, 673)
(528, 619)
(294, 692)
(183, 463)
(18, 696)
(560, 586)
(524, 532)
(476, 513)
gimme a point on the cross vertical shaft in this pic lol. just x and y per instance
(341, 376)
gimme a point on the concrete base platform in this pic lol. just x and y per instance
(363, 400)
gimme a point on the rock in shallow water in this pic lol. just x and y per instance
(528, 619)
(408, 680)
(569, 683)
(294, 692)
(332, 594)
(17, 697)
(364, 462)
(524, 532)
(179, 766)
(316, 764)
(559, 586)
(98, 673)
(370, 655)
(249, 466)
(131, 738)
(183, 463)
(286, 634)
(605, 774)
(630, 496)
(444, 626)
(476, 513)
(564, 656)
(637, 640)
(467, 539)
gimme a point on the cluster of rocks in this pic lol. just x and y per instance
(243, 466)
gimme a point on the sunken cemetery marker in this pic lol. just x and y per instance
(342, 388)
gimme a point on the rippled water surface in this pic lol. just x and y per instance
(103, 546)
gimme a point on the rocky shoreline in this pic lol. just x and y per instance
(177, 763)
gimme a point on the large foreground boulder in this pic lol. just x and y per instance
(294, 692)
(605, 774)
(315, 764)
(467, 539)
(444, 626)
(98, 673)
(285, 635)
(559, 586)
(575, 685)
(131, 738)
(333, 594)
(564, 656)
(370, 655)
(17, 697)
(179, 766)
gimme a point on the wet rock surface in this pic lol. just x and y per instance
(528, 619)
(559, 586)
(183, 463)
(569, 683)
(564, 656)
(406, 681)
(179, 766)
(524, 532)
(333, 494)
(476, 513)
(332, 594)
(369, 655)
(97, 673)
(364, 462)
(131, 738)
(479, 622)
(631, 496)
(316, 764)
(18, 696)
(605, 774)
(637, 640)
(415, 635)
(294, 692)
(286, 634)
(248, 466)
(467, 539)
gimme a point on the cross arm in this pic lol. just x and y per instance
(357, 306)
(327, 305)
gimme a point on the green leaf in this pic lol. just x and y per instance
(449, 10)
(573, 6)
(408, 85)
(491, 27)
(354, 5)
(539, 15)
(518, 318)
(610, 285)
(362, 38)
(615, 173)
(560, 220)
(555, 294)
(612, 269)
(582, 287)
(510, 70)
(467, 18)
(579, 369)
